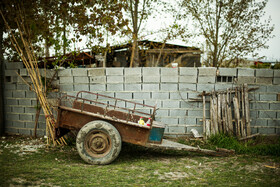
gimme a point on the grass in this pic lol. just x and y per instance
(135, 166)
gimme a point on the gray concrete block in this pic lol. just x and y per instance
(169, 78)
(64, 72)
(18, 109)
(10, 130)
(168, 87)
(206, 79)
(274, 106)
(254, 130)
(253, 114)
(30, 110)
(19, 80)
(198, 128)
(30, 94)
(49, 73)
(259, 122)
(188, 79)
(82, 80)
(8, 123)
(131, 105)
(8, 86)
(7, 108)
(188, 71)
(115, 79)
(97, 80)
(66, 87)
(187, 87)
(178, 112)
(150, 87)
(19, 94)
(223, 86)
(12, 117)
(243, 80)
(177, 129)
(53, 95)
(151, 79)
(205, 87)
(24, 102)
(110, 94)
(207, 71)
(170, 121)
(66, 80)
(11, 72)
(245, 72)
(187, 120)
(8, 94)
(13, 65)
(276, 72)
(19, 124)
(26, 117)
(81, 87)
(192, 105)
(133, 87)
(115, 87)
(22, 87)
(260, 106)
(273, 89)
(171, 104)
(231, 72)
(264, 73)
(124, 95)
(97, 87)
(267, 114)
(23, 72)
(27, 132)
(196, 113)
(80, 72)
(160, 95)
(162, 113)
(133, 71)
(276, 80)
(178, 95)
(151, 71)
(133, 79)
(169, 72)
(268, 97)
(96, 72)
(152, 103)
(274, 122)
(114, 71)
(262, 80)
(266, 130)
(142, 95)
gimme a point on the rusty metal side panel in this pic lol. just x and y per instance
(129, 133)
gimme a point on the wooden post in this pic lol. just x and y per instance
(204, 114)
(236, 115)
(214, 113)
(219, 113)
(207, 128)
(247, 108)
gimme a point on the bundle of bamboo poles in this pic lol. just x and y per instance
(28, 57)
(229, 112)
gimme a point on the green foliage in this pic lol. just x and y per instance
(276, 66)
(262, 66)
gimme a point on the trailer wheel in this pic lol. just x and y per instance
(98, 142)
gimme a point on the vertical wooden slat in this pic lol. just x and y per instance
(236, 115)
(219, 113)
(215, 115)
(224, 113)
(247, 108)
(207, 128)
(204, 114)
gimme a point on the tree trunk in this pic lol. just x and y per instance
(134, 60)
(1, 83)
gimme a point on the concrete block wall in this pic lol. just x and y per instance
(171, 90)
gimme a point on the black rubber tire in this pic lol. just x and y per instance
(98, 142)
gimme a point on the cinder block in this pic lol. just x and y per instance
(132, 87)
(169, 78)
(170, 121)
(8, 123)
(151, 71)
(110, 94)
(82, 80)
(171, 104)
(262, 80)
(245, 72)
(162, 113)
(66, 80)
(260, 106)
(133, 71)
(30, 110)
(267, 114)
(11, 72)
(268, 97)
(177, 129)
(18, 109)
(19, 124)
(11, 130)
(274, 106)
(152, 103)
(26, 117)
(160, 95)
(151, 79)
(188, 79)
(114, 71)
(141, 95)
(232, 72)
(7, 109)
(19, 94)
(244, 79)
(206, 79)
(198, 128)
(273, 89)
(22, 87)
(177, 112)
(150, 87)
(98, 80)
(133, 79)
(114, 79)
(81, 87)
(223, 86)
(30, 94)
(23, 72)
(188, 71)
(276, 72)
(196, 113)
(96, 72)
(49, 73)
(259, 122)
(253, 114)
(25, 132)
(187, 87)
(205, 87)
(115, 87)
(274, 122)
(97, 87)
(266, 130)
(80, 72)
(131, 105)
(12, 117)
(168, 87)
(8, 94)
(208, 71)
(264, 73)
(124, 95)
(169, 72)
(13, 65)
(9, 86)
(66, 87)
(24, 102)
(64, 72)
(276, 80)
